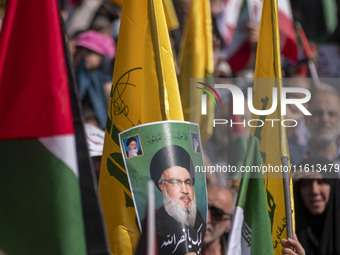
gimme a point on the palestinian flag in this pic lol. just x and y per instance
(40, 196)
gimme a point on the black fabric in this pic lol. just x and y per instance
(176, 238)
(172, 237)
(319, 234)
(130, 140)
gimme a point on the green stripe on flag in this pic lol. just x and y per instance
(256, 229)
(40, 202)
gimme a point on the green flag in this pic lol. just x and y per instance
(251, 230)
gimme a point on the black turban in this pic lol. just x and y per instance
(130, 140)
(169, 156)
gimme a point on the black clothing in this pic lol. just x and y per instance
(319, 234)
(176, 238)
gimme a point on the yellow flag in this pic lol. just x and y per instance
(272, 135)
(144, 90)
(169, 10)
(170, 15)
(196, 60)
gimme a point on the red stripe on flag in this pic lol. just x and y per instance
(288, 38)
(240, 58)
(305, 44)
(34, 96)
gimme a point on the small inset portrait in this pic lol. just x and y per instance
(196, 145)
(132, 146)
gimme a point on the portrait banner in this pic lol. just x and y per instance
(168, 153)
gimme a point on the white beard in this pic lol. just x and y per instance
(133, 153)
(178, 212)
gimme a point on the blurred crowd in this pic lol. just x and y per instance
(92, 28)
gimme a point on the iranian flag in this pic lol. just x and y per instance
(251, 229)
(40, 197)
(288, 41)
(286, 26)
(238, 51)
(227, 20)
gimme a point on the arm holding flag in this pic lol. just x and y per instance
(292, 247)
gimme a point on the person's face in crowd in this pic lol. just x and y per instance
(92, 60)
(216, 7)
(324, 124)
(220, 205)
(315, 194)
(179, 185)
(133, 145)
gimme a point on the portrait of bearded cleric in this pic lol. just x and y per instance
(180, 226)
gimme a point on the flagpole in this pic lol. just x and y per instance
(283, 139)
(308, 53)
(288, 204)
(151, 231)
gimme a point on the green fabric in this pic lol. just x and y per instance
(40, 206)
(252, 198)
(330, 13)
(241, 149)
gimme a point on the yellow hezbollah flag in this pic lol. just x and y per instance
(272, 135)
(196, 60)
(169, 10)
(144, 90)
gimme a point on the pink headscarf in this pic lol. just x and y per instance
(97, 42)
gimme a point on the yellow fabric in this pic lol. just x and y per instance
(144, 90)
(170, 15)
(273, 140)
(196, 60)
(169, 10)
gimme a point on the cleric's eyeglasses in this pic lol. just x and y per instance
(218, 214)
(179, 182)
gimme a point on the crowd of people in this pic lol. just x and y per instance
(93, 30)
(92, 33)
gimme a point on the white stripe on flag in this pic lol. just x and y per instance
(284, 7)
(64, 148)
(236, 244)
